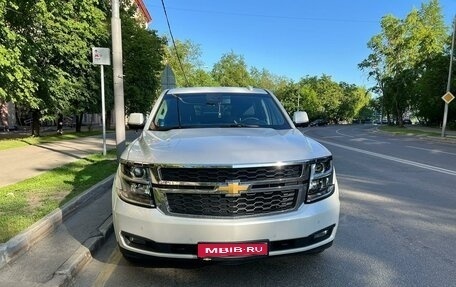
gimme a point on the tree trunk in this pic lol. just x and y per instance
(78, 122)
(36, 123)
(108, 119)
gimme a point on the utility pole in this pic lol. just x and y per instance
(119, 104)
(298, 100)
(296, 90)
(445, 113)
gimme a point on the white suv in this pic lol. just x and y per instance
(222, 173)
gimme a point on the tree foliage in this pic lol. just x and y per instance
(184, 59)
(403, 58)
(45, 57)
(265, 79)
(57, 37)
(321, 97)
(15, 78)
(45, 62)
(143, 52)
(232, 71)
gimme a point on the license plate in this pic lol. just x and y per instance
(219, 250)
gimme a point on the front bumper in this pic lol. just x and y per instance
(150, 232)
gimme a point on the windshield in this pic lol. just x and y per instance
(209, 110)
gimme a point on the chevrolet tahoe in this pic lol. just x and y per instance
(223, 173)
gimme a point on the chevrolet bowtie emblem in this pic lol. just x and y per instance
(233, 188)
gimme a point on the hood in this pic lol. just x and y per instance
(223, 147)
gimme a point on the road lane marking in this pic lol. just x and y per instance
(391, 158)
(358, 138)
(432, 150)
(368, 141)
(342, 134)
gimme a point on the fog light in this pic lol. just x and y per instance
(131, 239)
(321, 234)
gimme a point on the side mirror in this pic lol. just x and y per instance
(300, 118)
(136, 121)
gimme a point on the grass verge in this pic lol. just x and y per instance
(408, 131)
(26, 202)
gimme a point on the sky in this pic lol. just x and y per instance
(291, 38)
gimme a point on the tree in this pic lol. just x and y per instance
(288, 95)
(322, 93)
(231, 70)
(143, 53)
(15, 78)
(265, 79)
(428, 105)
(57, 39)
(399, 54)
(352, 101)
(185, 60)
(321, 97)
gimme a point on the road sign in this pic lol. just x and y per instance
(101, 56)
(168, 80)
(448, 97)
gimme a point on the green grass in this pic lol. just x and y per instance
(408, 131)
(26, 202)
(30, 140)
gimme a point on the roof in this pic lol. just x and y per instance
(190, 90)
(144, 12)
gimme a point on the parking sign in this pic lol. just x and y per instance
(101, 56)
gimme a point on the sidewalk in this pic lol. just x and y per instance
(53, 250)
(30, 161)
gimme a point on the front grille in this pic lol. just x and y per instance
(224, 174)
(197, 191)
(246, 204)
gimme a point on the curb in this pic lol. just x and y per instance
(64, 275)
(22, 242)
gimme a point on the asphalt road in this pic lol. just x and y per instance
(397, 225)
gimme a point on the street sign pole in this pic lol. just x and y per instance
(103, 110)
(445, 112)
(102, 56)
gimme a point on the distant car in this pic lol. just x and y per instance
(318, 123)
(406, 121)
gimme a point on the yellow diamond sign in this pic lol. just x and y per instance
(448, 97)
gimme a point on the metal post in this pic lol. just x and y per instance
(103, 111)
(445, 112)
(299, 95)
(118, 77)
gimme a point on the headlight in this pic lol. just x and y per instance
(135, 184)
(321, 182)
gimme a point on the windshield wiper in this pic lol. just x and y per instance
(241, 125)
(178, 128)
